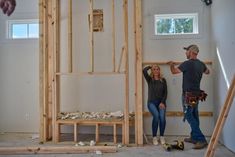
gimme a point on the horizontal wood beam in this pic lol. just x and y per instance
(176, 62)
(56, 150)
(180, 114)
(91, 73)
(89, 121)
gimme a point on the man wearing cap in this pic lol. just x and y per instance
(192, 70)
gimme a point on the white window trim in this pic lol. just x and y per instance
(9, 24)
(194, 16)
(151, 27)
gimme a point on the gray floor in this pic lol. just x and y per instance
(148, 150)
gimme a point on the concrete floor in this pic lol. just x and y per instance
(148, 150)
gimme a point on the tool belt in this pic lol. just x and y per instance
(192, 98)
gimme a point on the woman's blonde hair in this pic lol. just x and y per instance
(160, 74)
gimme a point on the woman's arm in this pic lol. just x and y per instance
(146, 75)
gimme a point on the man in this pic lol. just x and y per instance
(192, 70)
(7, 6)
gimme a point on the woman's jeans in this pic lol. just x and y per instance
(192, 116)
(158, 117)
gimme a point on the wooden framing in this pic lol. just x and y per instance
(50, 69)
(138, 84)
(70, 37)
(56, 150)
(126, 107)
(221, 120)
(180, 114)
(113, 36)
(96, 123)
(176, 62)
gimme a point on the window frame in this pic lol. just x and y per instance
(10, 23)
(193, 16)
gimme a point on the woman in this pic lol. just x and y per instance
(157, 93)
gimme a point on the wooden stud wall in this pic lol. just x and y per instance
(139, 88)
(70, 36)
(50, 65)
(126, 107)
(56, 150)
(113, 36)
(91, 34)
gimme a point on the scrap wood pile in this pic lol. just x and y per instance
(93, 115)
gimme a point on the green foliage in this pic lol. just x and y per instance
(174, 26)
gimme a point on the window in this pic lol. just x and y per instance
(23, 29)
(176, 24)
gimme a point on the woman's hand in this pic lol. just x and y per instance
(162, 106)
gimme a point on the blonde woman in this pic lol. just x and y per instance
(157, 94)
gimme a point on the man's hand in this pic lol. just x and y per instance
(171, 63)
(7, 6)
(174, 70)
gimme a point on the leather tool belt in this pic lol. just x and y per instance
(192, 98)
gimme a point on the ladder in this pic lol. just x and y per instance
(221, 120)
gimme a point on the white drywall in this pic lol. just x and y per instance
(223, 24)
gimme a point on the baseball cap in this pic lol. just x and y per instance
(192, 47)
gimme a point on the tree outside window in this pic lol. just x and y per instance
(176, 24)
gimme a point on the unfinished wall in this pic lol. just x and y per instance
(222, 15)
(19, 70)
(98, 93)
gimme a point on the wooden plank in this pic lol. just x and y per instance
(126, 107)
(91, 35)
(123, 134)
(42, 48)
(55, 44)
(70, 37)
(97, 133)
(55, 150)
(139, 82)
(221, 120)
(180, 114)
(45, 70)
(90, 73)
(135, 48)
(90, 122)
(165, 63)
(120, 59)
(94, 122)
(114, 133)
(75, 132)
(113, 35)
(57, 60)
(57, 131)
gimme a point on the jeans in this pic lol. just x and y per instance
(158, 116)
(192, 116)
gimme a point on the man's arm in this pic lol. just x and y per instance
(174, 70)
